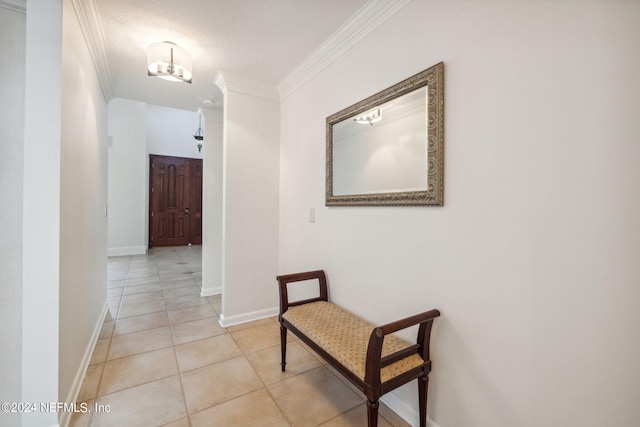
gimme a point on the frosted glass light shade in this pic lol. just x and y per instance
(169, 62)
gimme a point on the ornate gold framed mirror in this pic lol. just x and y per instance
(388, 149)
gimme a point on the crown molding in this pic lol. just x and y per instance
(19, 6)
(368, 18)
(91, 27)
(232, 83)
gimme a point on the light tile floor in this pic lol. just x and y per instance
(162, 359)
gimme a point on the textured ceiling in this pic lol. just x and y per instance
(262, 40)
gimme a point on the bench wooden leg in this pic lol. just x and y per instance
(283, 345)
(423, 385)
(372, 413)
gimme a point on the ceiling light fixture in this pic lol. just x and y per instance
(169, 62)
(371, 117)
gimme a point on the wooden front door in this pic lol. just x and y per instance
(175, 201)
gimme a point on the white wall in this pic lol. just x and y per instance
(12, 33)
(250, 207)
(83, 199)
(170, 131)
(127, 178)
(533, 258)
(41, 210)
(212, 204)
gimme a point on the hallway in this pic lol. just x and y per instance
(162, 359)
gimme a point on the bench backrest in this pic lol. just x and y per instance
(284, 280)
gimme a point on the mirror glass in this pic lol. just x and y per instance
(388, 149)
(389, 154)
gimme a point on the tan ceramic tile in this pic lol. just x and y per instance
(114, 292)
(267, 362)
(309, 349)
(344, 380)
(256, 409)
(191, 313)
(89, 388)
(139, 342)
(168, 263)
(142, 274)
(171, 266)
(139, 289)
(184, 302)
(107, 329)
(182, 422)
(119, 274)
(192, 290)
(142, 281)
(181, 283)
(391, 417)
(141, 308)
(248, 325)
(215, 298)
(113, 311)
(142, 297)
(138, 369)
(196, 330)
(142, 266)
(216, 303)
(313, 397)
(118, 264)
(108, 317)
(141, 323)
(197, 354)
(111, 284)
(258, 338)
(171, 276)
(100, 351)
(355, 417)
(213, 384)
(151, 404)
(142, 260)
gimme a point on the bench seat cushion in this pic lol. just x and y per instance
(345, 336)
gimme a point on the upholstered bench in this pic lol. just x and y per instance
(375, 361)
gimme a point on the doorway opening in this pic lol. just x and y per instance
(175, 201)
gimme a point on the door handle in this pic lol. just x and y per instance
(186, 211)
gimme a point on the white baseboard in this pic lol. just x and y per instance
(65, 416)
(205, 292)
(127, 250)
(405, 410)
(238, 319)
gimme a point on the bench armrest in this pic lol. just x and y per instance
(284, 280)
(375, 362)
